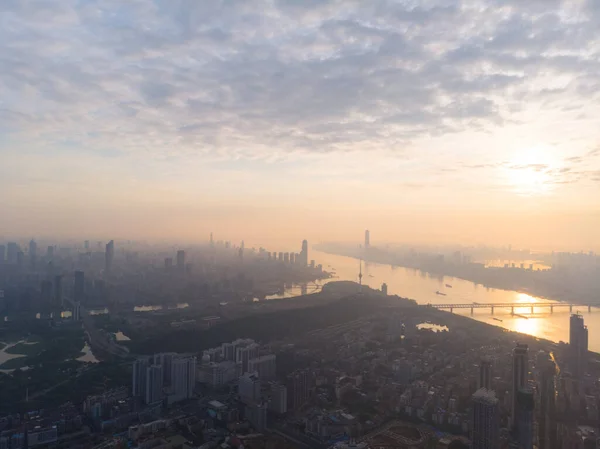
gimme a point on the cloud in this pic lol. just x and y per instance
(252, 78)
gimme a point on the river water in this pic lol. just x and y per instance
(422, 287)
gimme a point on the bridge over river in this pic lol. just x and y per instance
(510, 305)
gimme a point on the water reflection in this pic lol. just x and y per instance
(120, 336)
(410, 283)
(433, 327)
(88, 355)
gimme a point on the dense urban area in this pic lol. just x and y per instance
(123, 344)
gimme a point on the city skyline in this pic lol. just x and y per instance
(155, 120)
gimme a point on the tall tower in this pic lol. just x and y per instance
(58, 298)
(360, 273)
(109, 256)
(304, 253)
(520, 371)
(32, 253)
(181, 261)
(486, 423)
(79, 287)
(524, 431)
(578, 346)
(154, 384)
(485, 373)
(367, 239)
(138, 381)
(547, 403)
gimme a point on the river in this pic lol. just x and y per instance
(422, 287)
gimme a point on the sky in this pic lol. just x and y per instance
(474, 121)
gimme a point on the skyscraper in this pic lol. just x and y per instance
(181, 261)
(367, 239)
(520, 373)
(86, 245)
(58, 299)
(304, 253)
(50, 253)
(547, 403)
(154, 377)
(138, 382)
(524, 422)
(183, 377)
(32, 253)
(486, 422)
(485, 373)
(79, 287)
(165, 359)
(109, 256)
(298, 389)
(2, 254)
(578, 346)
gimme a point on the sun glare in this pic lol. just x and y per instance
(528, 172)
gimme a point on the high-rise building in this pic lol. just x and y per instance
(298, 389)
(485, 373)
(578, 346)
(256, 414)
(79, 287)
(50, 253)
(181, 261)
(367, 239)
(245, 353)
(58, 293)
(547, 428)
(109, 255)
(86, 245)
(76, 314)
(249, 388)
(278, 402)
(286, 258)
(212, 242)
(2, 254)
(12, 252)
(264, 366)
(154, 386)
(138, 382)
(183, 377)
(304, 253)
(520, 371)
(486, 420)
(168, 263)
(20, 258)
(524, 422)
(32, 253)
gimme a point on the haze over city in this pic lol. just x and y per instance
(299, 224)
(432, 122)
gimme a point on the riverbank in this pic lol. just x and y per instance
(508, 279)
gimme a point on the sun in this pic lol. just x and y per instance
(529, 171)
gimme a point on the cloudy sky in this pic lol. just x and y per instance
(430, 120)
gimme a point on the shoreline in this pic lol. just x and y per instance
(526, 291)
